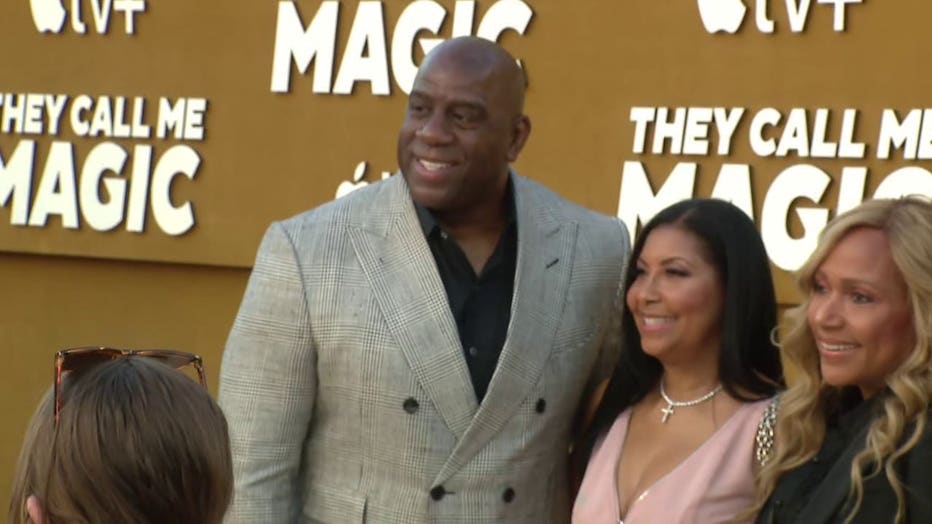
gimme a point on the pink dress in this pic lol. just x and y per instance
(710, 486)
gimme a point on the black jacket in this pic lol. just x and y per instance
(817, 492)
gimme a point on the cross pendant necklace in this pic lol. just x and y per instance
(667, 411)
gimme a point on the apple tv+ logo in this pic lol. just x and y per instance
(726, 16)
(721, 15)
(49, 15)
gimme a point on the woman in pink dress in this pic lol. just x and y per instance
(673, 440)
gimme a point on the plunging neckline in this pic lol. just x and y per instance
(688, 458)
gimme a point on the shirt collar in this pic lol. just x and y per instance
(429, 223)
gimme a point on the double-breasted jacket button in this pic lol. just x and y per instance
(541, 405)
(410, 405)
(508, 495)
(437, 492)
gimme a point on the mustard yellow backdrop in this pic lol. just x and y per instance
(146, 145)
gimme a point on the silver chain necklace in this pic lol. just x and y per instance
(667, 411)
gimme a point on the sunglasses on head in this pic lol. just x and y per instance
(78, 359)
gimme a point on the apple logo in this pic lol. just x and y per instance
(48, 15)
(721, 15)
(346, 187)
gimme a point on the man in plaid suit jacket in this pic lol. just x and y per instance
(348, 385)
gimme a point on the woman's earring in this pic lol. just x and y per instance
(773, 336)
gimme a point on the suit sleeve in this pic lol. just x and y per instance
(610, 347)
(267, 385)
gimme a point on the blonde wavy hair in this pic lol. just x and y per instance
(800, 427)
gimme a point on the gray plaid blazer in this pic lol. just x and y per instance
(345, 385)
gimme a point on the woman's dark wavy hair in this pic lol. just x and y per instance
(749, 365)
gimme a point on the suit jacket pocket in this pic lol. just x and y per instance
(328, 505)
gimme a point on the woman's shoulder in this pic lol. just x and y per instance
(755, 410)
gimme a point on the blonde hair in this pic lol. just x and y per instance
(137, 441)
(800, 428)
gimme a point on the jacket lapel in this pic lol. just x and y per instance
(832, 492)
(401, 271)
(545, 261)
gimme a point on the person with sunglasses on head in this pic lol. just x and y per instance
(122, 437)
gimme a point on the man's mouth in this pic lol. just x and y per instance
(430, 165)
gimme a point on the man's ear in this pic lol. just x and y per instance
(521, 131)
(35, 510)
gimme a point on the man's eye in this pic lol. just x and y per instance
(465, 116)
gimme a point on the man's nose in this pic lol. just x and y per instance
(435, 129)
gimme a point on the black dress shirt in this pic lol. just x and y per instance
(481, 304)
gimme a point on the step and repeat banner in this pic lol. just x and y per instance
(175, 131)
(146, 145)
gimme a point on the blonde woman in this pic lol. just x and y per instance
(853, 442)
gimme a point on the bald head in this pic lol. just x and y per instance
(463, 125)
(481, 58)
